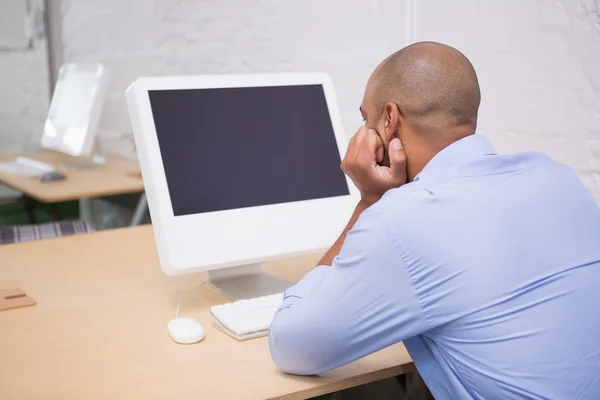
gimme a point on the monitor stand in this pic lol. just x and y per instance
(246, 282)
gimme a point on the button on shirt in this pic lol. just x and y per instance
(486, 266)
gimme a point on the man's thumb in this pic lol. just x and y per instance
(397, 159)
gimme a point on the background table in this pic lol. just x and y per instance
(116, 177)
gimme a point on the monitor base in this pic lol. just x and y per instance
(246, 282)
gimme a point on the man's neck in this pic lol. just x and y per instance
(424, 149)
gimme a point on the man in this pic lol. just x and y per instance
(486, 266)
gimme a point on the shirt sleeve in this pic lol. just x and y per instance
(361, 304)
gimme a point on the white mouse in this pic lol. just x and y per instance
(186, 330)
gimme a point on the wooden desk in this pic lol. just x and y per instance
(99, 330)
(114, 178)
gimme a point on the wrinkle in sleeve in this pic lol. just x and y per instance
(361, 304)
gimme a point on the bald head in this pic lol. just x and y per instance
(434, 86)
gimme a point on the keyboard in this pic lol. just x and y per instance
(26, 167)
(247, 319)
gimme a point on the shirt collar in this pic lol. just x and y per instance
(459, 152)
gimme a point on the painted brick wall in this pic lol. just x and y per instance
(345, 38)
(539, 67)
(24, 97)
(538, 60)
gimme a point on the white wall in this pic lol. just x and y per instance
(539, 67)
(24, 97)
(24, 79)
(346, 38)
(538, 60)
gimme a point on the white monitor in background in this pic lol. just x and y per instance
(239, 169)
(75, 109)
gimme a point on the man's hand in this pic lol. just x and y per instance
(364, 153)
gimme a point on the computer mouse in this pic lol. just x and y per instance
(52, 176)
(186, 330)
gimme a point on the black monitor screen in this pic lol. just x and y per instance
(231, 148)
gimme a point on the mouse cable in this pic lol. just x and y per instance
(184, 295)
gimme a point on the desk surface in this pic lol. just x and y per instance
(113, 178)
(99, 329)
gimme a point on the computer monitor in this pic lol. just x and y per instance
(240, 169)
(75, 109)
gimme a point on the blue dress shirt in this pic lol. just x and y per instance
(486, 266)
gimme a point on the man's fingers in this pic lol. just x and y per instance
(354, 145)
(355, 148)
(369, 147)
(352, 151)
(360, 138)
(379, 154)
(397, 160)
(350, 148)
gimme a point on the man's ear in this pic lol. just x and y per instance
(391, 117)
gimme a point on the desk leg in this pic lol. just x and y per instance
(29, 209)
(85, 210)
(55, 212)
(140, 210)
(30, 205)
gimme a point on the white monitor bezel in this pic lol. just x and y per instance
(221, 239)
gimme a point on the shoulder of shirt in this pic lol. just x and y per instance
(408, 197)
(409, 194)
(402, 203)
